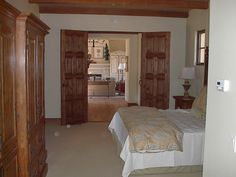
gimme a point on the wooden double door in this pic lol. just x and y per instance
(74, 79)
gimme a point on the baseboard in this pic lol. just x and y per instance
(132, 104)
(55, 120)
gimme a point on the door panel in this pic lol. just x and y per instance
(74, 79)
(40, 79)
(155, 70)
(8, 135)
(34, 92)
(10, 169)
(31, 84)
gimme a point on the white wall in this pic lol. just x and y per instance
(177, 27)
(197, 20)
(25, 6)
(116, 45)
(219, 159)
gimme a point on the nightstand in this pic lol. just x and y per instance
(183, 103)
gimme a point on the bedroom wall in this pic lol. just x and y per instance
(177, 27)
(219, 159)
(197, 20)
(25, 6)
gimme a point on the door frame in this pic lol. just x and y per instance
(138, 95)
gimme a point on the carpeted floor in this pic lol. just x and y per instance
(85, 150)
(103, 108)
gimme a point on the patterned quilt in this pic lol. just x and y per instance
(149, 130)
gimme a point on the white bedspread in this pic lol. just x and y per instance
(193, 143)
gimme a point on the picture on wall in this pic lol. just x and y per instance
(98, 52)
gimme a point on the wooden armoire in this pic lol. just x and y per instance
(30, 95)
(22, 118)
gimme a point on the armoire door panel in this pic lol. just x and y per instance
(40, 79)
(33, 147)
(8, 131)
(31, 75)
(11, 167)
(30, 86)
(42, 159)
(8, 92)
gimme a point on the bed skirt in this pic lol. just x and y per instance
(163, 170)
(159, 170)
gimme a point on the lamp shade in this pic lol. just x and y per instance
(188, 73)
(121, 66)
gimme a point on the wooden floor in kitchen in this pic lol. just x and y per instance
(102, 109)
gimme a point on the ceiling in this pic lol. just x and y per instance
(162, 8)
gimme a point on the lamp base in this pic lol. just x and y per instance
(186, 88)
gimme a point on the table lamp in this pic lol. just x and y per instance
(121, 67)
(188, 73)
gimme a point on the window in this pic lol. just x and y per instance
(201, 45)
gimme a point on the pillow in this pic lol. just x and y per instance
(199, 104)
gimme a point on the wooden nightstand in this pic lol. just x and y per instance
(183, 103)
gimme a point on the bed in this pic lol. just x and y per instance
(193, 141)
(188, 159)
(190, 122)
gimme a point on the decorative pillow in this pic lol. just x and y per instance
(199, 104)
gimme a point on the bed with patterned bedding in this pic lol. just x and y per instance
(149, 130)
(191, 153)
(152, 138)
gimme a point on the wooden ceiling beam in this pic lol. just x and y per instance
(109, 11)
(186, 4)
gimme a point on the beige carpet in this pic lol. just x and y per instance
(103, 109)
(85, 150)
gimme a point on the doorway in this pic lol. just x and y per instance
(75, 52)
(108, 79)
(157, 54)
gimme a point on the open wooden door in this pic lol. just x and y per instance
(155, 69)
(74, 80)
